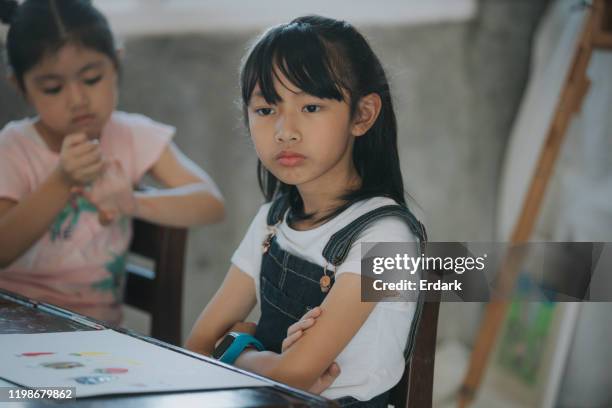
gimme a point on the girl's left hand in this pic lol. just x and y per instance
(112, 193)
(325, 380)
(294, 333)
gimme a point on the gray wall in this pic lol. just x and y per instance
(456, 87)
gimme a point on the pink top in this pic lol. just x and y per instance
(78, 264)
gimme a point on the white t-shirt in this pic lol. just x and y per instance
(373, 361)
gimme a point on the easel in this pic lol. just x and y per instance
(597, 33)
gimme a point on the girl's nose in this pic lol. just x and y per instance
(286, 130)
(77, 96)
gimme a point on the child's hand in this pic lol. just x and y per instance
(112, 193)
(80, 159)
(295, 332)
(326, 379)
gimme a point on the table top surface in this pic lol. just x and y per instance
(20, 315)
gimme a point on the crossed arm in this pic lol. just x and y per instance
(303, 364)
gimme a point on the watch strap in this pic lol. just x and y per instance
(241, 342)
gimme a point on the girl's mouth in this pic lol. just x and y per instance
(83, 120)
(290, 159)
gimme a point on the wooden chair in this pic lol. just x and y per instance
(158, 291)
(415, 389)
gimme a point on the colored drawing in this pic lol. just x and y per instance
(106, 362)
(522, 348)
(89, 354)
(36, 354)
(94, 379)
(111, 370)
(62, 365)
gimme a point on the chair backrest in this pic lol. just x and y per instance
(415, 389)
(158, 291)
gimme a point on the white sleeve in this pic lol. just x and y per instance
(249, 253)
(386, 229)
(14, 182)
(149, 139)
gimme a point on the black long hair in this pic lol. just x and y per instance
(324, 57)
(39, 27)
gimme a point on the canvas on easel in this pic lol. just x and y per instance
(526, 365)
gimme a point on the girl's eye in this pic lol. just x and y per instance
(264, 111)
(311, 108)
(52, 91)
(93, 81)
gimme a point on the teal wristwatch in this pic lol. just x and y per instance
(233, 344)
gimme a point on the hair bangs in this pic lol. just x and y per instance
(307, 67)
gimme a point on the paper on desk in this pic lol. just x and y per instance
(107, 362)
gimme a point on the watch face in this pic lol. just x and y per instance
(223, 346)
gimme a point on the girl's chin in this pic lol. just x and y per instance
(287, 178)
(294, 176)
(294, 181)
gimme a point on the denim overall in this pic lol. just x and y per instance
(289, 285)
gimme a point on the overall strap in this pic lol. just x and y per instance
(277, 210)
(340, 243)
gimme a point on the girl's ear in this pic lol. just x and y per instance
(368, 109)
